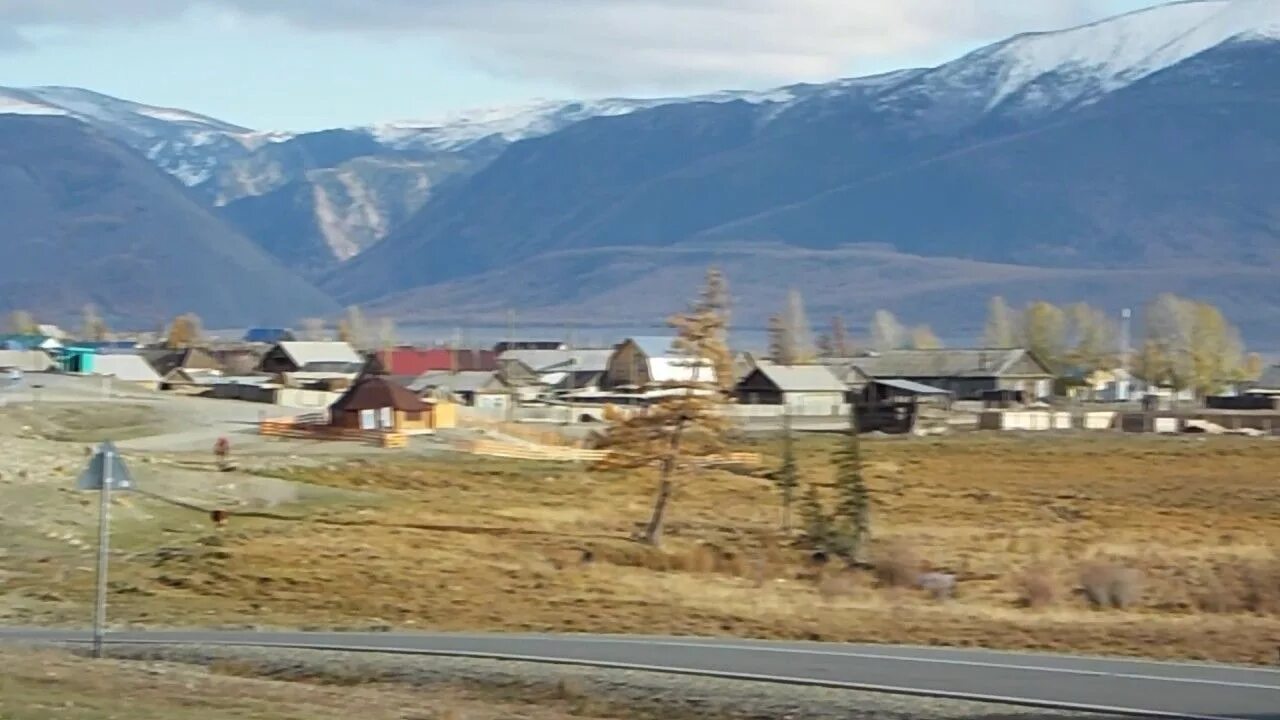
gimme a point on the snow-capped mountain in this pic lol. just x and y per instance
(1047, 71)
(185, 144)
(785, 164)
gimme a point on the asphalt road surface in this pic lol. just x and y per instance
(1186, 690)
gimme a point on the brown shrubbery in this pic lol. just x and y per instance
(898, 565)
(1038, 586)
(1109, 584)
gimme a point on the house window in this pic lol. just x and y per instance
(413, 416)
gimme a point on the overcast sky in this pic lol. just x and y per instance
(301, 64)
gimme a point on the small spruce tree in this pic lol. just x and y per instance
(853, 509)
(787, 477)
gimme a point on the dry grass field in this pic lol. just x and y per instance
(1181, 534)
(44, 685)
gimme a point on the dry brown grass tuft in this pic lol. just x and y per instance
(898, 565)
(1038, 586)
(1110, 584)
(840, 584)
(1237, 587)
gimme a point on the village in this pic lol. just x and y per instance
(342, 391)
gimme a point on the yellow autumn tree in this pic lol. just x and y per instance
(686, 422)
(184, 331)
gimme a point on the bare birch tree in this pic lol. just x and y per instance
(92, 326)
(886, 332)
(1002, 325)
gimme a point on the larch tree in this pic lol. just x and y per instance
(923, 338)
(838, 343)
(780, 346)
(1002, 325)
(686, 423)
(1044, 332)
(886, 332)
(184, 331)
(787, 477)
(22, 322)
(715, 300)
(92, 326)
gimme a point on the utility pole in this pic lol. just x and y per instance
(1125, 364)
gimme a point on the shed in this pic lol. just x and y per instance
(315, 358)
(376, 403)
(475, 388)
(650, 363)
(166, 361)
(27, 360)
(966, 373)
(128, 368)
(896, 390)
(802, 389)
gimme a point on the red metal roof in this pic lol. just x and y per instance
(416, 361)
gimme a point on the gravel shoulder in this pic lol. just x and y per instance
(583, 691)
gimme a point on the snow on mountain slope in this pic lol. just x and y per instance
(540, 117)
(1105, 56)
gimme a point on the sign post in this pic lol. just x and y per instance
(106, 472)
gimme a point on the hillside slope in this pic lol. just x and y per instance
(89, 221)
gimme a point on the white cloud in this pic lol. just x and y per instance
(616, 45)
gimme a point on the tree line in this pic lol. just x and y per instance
(1184, 343)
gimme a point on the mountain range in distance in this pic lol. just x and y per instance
(1107, 163)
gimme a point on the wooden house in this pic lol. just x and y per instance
(376, 403)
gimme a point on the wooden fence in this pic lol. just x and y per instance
(303, 428)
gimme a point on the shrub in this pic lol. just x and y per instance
(897, 565)
(1111, 585)
(1037, 587)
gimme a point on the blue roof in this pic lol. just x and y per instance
(268, 335)
(656, 345)
(21, 342)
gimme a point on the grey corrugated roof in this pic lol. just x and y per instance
(940, 363)
(590, 360)
(465, 381)
(912, 387)
(802, 378)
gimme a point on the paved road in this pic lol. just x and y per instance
(1129, 686)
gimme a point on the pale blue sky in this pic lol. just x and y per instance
(301, 64)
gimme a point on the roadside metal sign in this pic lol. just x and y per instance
(106, 466)
(105, 473)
